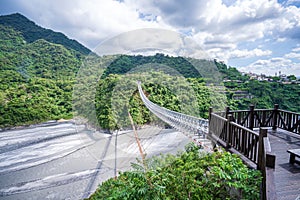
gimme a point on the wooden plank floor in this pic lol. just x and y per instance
(287, 176)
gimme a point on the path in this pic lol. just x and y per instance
(287, 176)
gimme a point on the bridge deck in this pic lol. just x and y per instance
(287, 176)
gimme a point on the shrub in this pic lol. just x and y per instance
(188, 175)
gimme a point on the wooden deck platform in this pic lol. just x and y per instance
(287, 176)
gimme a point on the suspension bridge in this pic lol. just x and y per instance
(179, 121)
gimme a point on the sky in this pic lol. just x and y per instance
(253, 36)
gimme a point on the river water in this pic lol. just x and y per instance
(66, 161)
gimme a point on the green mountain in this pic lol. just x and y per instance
(36, 76)
(32, 32)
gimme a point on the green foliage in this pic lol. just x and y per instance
(103, 102)
(266, 94)
(162, 96)
(140, 114)
(189, 175)
(207, 96)
(36, 80)
(125, 63)
(138, 111)
(230, 73)
(292, 77)
(35, 101)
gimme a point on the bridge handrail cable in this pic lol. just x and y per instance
(179, 121)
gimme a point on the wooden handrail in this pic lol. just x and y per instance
(232, 135)
(244, 128)
(252, 146)
(275, 118)
(218, 116)
(290, 112)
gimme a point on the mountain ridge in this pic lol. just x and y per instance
(32, 32)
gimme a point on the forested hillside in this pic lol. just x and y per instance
(125, 63)
(261, 93)
(32, 32)
(266, 94)
(35, 79)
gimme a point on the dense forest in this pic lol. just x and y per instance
(38, 69)
(125, 63)
(35, 79)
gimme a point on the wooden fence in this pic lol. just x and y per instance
(234, 131)
(256, 118)
(236, 137)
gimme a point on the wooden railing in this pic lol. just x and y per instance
(289, 121)
(254, 148)
(255, 118)
(235, 137)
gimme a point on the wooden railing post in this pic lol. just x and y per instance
(268, 184)
(227, 111)
(263, 119)
(275, 117)
(289, 121)
(210, 110)
(251, 117)
(263, 132)
(261, 166)
(228, 131)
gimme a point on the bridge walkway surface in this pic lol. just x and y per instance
(286, 175)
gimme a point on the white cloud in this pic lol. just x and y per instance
(149, 41)
(297, 49)
(272, 66)
(245, 53)
(293, 55)
(89, 21)
(233, 53)
(281, 39)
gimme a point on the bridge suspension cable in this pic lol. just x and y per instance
(182, 122)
